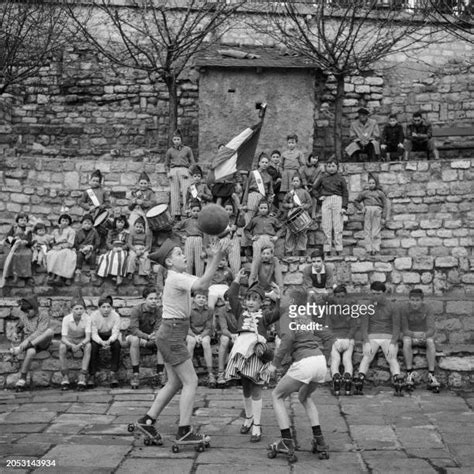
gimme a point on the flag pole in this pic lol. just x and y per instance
(261, 116)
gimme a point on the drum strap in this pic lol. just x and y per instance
(259, 181)
(194, 191)
(93, 197)
(296, 199)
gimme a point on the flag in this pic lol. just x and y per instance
(237, 155)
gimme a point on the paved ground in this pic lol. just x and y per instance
(87, 433)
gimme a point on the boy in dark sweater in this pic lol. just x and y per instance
(343, 328)
(308, 369)
(200, 330)
(331, 188)
(86, 243)
(392, 138)
(418, 329)
(380, 329)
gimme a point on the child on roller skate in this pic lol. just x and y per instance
(308, 369)
(381, 329)
(37, 336)
(200, 330)
(86, 244)
(250, 354)
(75, 336)
(171, 340)
(343, 327)
(418, 329)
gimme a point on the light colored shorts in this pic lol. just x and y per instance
(309, 369)
(342, 345)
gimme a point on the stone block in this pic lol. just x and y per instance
(383, 267)
(459, 364)
(293, 279)
(411, 277)
(408, 243)
(359, 278)
(426, 277)
(446, 262)
(71, 180)
(403, 263)
(391, 243)
(378, 276)
(460, 164)
(430, 242)
(451, 242)
(362, 267)
(460, 307)
(430, 224)
(423, 263)
(449, 175)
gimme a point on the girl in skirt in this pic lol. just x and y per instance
(250, 356)
(114, 262)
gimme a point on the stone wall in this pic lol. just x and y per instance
(427, 242)
(454, 320)
(84, 107)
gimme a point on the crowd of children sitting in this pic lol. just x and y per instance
(270, 211)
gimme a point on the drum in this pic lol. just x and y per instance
(159, 218)
(100, 222)
(298, 220)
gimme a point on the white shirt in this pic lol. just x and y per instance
(177, 295)
(73, 330)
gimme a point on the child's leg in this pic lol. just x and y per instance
(408, 352)
(183, 176)
(430, 353)
(304, 397)
(174, 193)
(206, 347)
(234, 256)
(191, 343)
(289, 242)
(86, 357)
(29, 354)
(63, 358)
(369, 350)
(115, 349)
(335, 358)
(134, 343)
(390, 352)
(223, 348)
(326, 224)
(286, 386)
(368, 230)
(376, 229)
(301, 242)
(337, 221)
(347, 358)
(247, 397)
(198, 261)
(131, 262)
(256, 408)
(189, 253)
(44, 338)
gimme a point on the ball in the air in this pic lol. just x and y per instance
(213, 219)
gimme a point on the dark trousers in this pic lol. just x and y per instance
(95, 358)
(91, 260)
(368, 149)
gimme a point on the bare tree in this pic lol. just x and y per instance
(159, 38)
(344, 38)
(453, 16)
(32, 33)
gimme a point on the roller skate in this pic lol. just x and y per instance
(211, 381)
(283, 446)
(221, 381)
(410, 382)
(81, 382)
(144, 426)
(398, 384)
(20, 385)
(199, 441)
(359, 384)
(65, 385)
(336, 384)
(135, 381)
(433, 384)
(162, 378)
(320, 447)
(347, 379)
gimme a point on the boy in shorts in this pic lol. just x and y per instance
(171, 339)
(75, 336)
(37, 336)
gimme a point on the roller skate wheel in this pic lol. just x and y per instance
(292, 458)
(207, 444)
(324, 455)
(130, 428)
(271, 453)
(199, 448)
(175, 448)
(147, 442)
